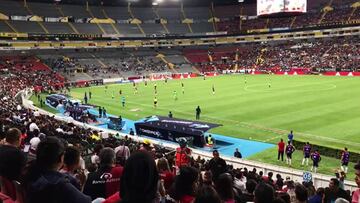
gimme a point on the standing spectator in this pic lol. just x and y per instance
(43, 182)
(281, 149)
(237, 154)
(170, 114)
(131, 132)
(306, 153)
(185, 185)
(345, 157)
(356, 195)
(105, 181)
(289, 151)
(291, 136)
(334, 191)
(183, 154)
(264, 193)
(217, 165)
(316, 158)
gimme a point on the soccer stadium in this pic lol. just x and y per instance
(179, 101)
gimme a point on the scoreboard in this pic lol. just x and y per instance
(269, 7)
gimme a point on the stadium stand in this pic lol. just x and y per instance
(58, 28)
(27, 27)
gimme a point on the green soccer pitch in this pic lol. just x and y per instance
(320, 109)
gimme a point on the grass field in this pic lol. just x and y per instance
(321, 110)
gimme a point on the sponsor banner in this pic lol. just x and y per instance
(60, 19)
(215, 33)
(279, 29)
(13, 35)
(113, 80)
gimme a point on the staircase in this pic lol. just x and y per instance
(184, 17)
(133, 17)
(92, 15)
(39, 23)
(163, 24)
(68, 23)
(112, 24)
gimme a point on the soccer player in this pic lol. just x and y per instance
(289, 151)
(175, 96)
(307, 153)
(316, 158)
(183, 88)
(198, 112)
(106, 87)
(135, 90)
(213, 89)
(89, 94)
(123, 101)
(120, 92)
(345, 157)
(112, 95)
(170, 114)
(155, 102)
(155, 88)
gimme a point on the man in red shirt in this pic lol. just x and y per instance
(281, 149)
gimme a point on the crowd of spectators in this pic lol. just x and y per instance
(136, 65)
(46, 160)
(319, 55)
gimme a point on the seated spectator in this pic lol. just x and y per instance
(140, 179)
(165, 173)
(122, 153)
(71, 166)
(12, 163)
(248, 195)
(105, 181)
(318, 197)
(43, 182)
(264, 193)
(185, 185)
(12, 138)
(224, 187)
(207, 194)
(334, 191)
(301, 194)
(95, 157)
(356, 195)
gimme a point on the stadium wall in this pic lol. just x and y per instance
(296, 175)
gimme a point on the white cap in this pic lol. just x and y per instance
(34, 142)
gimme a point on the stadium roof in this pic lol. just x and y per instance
(146, 2)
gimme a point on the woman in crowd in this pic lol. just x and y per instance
(185, 185)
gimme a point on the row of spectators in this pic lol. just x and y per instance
(46, 160)
(328, 54)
